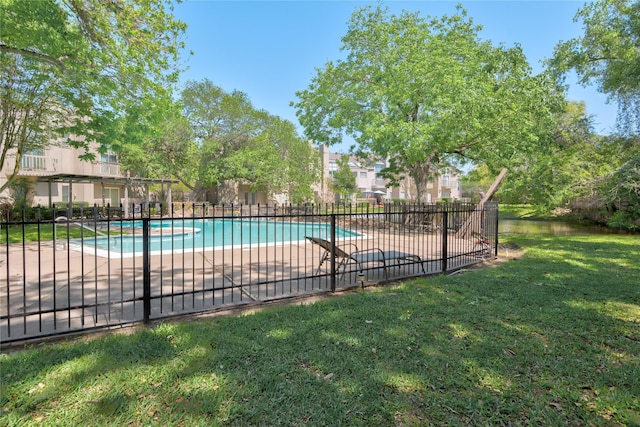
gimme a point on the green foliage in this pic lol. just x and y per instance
(302, 163)
(211, 136)
(607, 55)
(21, 193)
(26, 213)
(623, 220)
(523, 211)
(344, 181)
(82, 68)
(621, 189)
(428, 93)
(572, 166)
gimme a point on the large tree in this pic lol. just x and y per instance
(231, 141)
(71, 67)
(564, 170)
(608, 54)
(424, 93)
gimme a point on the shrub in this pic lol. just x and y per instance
(622, 219)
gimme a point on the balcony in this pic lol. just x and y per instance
(33, 165)
(106, 169)
(30, 162)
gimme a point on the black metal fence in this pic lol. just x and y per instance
(88, 269)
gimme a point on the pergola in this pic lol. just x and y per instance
(127, 182)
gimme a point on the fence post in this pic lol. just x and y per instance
(445, 237)
(146, 271)
(333, 252)
(496, 229)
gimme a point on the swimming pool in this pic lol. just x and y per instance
(167, 236)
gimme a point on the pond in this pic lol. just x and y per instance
(525, 226)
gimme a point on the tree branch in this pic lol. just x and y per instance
(36, 55)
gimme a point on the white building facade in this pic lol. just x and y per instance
(371, 184)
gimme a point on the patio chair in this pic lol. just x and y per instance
(364, 256)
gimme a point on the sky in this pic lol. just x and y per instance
(271, 49)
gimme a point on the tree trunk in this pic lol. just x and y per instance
(422, 173)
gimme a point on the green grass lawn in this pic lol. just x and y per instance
(521, 212)
(552, 338)
(44, 232)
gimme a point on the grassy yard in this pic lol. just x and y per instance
(44, 232)
(523, 212)
(552, 338)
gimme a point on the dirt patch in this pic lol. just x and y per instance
(507, 252)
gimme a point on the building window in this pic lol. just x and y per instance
(363, 174)
(65, 193)
(249, 198)
(109, 163)
(111, 195)
(445, 177)
(109, 158)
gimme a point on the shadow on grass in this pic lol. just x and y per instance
(550, 339)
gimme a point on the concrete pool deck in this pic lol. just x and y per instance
(52, 290)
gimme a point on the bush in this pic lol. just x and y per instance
(622, 219)
(15, 213)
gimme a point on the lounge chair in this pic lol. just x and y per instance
(365, 256)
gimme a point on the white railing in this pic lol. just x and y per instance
(32, 162)
(32, 165)
(109, 169)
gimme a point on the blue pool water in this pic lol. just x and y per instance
(177, 235)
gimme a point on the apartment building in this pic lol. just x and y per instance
(57, 176)
(371, 184)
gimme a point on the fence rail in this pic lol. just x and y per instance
(91, 270)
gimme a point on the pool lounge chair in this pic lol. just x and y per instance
(365, 256)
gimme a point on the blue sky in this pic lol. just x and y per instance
(270, 49)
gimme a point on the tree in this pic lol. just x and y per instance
(26, 110)
(344, 181)
(164, 148)
(71, 67)
(427, 93)
(608, 54)
(552, 177)
(283, 162)
(621, 191)
(233, 141)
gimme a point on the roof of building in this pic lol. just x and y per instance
(78, 178)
